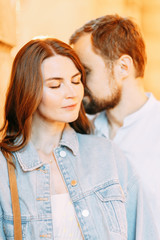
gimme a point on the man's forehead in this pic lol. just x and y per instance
(84, 45)
(86, 50)
(83, 41)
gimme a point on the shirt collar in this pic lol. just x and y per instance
(29, 159)
(101, 125)
(145, 109)
(101, 122)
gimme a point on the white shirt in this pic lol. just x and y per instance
(65, 225)
(139, 139)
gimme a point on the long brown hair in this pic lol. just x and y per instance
(25, 92)
(113, 36)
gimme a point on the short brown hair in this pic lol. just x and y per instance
(25, 91)
(114, 36)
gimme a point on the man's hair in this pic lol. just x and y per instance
(113, 36)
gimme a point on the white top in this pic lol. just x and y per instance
(139, 139)
(65, 225)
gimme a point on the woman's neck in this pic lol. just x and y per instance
(46, 135)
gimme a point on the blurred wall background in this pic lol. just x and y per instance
(21, 20)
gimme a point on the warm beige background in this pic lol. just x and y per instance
(21, 20)
(7, 42)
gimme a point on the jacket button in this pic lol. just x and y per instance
(85, 213)
(73, 183)
(62, 153)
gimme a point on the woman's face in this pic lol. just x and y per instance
(62, 90)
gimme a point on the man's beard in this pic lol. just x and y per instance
(94, 105)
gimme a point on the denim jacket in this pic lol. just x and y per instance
(99, 200)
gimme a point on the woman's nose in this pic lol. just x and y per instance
(70, 91)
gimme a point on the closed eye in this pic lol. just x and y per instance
(87, 70)
(54, 86)
(53, 82)
(76, 79)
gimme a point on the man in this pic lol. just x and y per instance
(112, 51)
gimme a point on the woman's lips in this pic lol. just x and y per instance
(70, 107)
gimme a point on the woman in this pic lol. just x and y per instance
(67, 181)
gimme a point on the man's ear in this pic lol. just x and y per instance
(126, 65)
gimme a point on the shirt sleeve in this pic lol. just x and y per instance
(140, 220)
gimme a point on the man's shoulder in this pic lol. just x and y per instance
(152, 114)
(154, 103)
(92, 139)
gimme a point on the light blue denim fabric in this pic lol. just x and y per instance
(98, 198)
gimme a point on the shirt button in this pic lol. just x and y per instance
(62, 153)
(73, 183)
(85, 213)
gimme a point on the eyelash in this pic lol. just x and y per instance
(76, 82)
(55, 87)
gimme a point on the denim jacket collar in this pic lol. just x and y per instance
(69, 139)
(29, 159)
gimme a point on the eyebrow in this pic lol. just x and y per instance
(53, 78)
(76, 74)
(59, 78)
